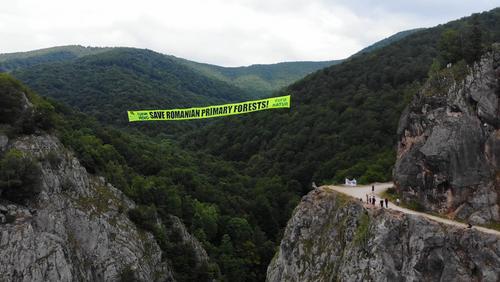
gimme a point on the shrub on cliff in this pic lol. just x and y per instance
(19, 176)
(21, 109)
(11, 105)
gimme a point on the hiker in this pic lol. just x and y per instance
(469, 225)
(382, 203)
(373, 188)
(373, 200)
(367, 199)
(386, 203)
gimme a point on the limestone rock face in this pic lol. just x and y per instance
(75, 229)
(448, 157)
(334, 238)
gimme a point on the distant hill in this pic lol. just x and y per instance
(109, 83)
(13, 61)
(263, 79)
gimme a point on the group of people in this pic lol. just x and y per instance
(371, 199)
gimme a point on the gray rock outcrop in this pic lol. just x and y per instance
(448, 158)
(75, 229)
(331, 237)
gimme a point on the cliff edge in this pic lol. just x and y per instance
(332, 237)
(58, 222)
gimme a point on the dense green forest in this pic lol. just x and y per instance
(237, 218)
(234, 182)
(108, 84)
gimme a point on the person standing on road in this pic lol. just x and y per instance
(373, 188)
(397, 201)
(386, 203)
(381, 203)
(367, 199)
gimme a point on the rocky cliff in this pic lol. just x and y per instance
(448, 158)
(331, 237)
(60, 223)
(75, 229)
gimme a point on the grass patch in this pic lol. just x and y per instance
(390, 194)
(99, 203)
(342, 199)
(362, 230)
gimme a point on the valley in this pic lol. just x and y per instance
(98, 198)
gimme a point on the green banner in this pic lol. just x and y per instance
(210, 111)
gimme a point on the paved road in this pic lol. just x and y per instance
(362, 191)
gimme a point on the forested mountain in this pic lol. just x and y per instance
(108, 84)
(12, 61)
(343, 119)
(261, 80)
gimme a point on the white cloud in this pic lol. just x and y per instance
(224, 32)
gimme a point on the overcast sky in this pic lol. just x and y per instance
(224, 32)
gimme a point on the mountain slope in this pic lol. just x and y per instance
(343, 118)
(108, 84)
